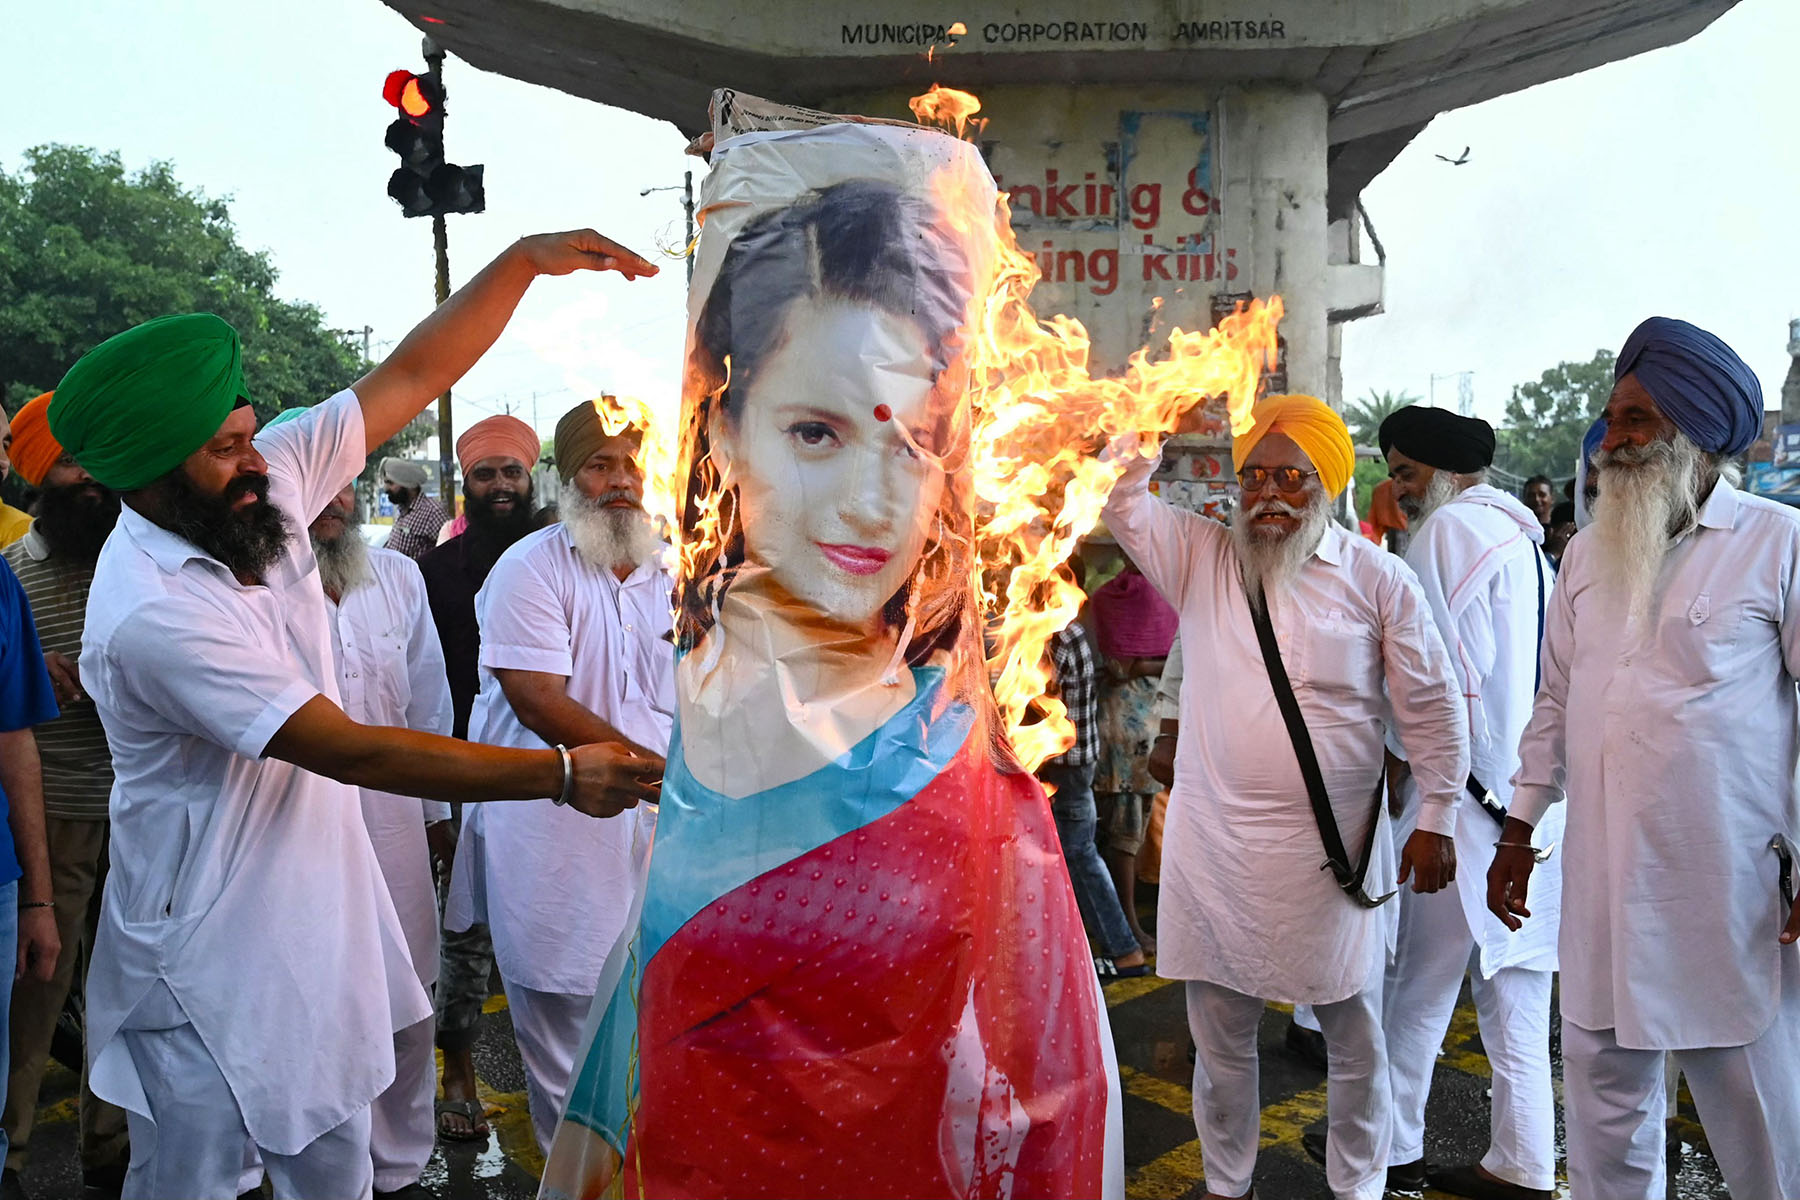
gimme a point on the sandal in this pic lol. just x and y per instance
(1107, 969)
(471, 1111)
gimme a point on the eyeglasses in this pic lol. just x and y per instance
(1288, 480)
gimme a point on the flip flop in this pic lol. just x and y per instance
(1109, 970)
(471, 1111)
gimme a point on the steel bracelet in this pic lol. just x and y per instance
(568, 784)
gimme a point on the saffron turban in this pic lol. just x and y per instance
(34, 451)
(504, 437)
(1439, 438)
(1315, 428)
(1697, 381)
(406, 473)
(132, 408)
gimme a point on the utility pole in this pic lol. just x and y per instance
(440, 245)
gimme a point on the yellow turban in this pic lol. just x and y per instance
(1316, 429)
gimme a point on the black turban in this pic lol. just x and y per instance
(1439, 438)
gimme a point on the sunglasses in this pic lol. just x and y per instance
(1287, 480)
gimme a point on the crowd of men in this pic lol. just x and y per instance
(258, 780)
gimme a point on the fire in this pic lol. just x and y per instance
(1038, 420)
(947, 107)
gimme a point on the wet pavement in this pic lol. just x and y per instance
(1161, 1154)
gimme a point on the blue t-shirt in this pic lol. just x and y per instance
(26, 698)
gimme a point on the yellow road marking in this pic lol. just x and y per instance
(1127, 990)
(1168, 1177)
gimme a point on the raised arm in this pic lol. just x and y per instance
(1159, 537)
(442, 348)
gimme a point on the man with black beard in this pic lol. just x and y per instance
(496, 457)
(1264, 786)
(55, 564)
(573, 620)
(1668, 718)
(250, 971)
(391, 672)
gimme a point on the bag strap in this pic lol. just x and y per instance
(1476, 788)
(1337, 860)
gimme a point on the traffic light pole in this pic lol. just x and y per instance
(440, 243)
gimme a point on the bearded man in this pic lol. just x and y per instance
(1299, 637)
(496, 456)
(417, 517)
(1667, 716)
(1475, 551)
(390, 671)
(573, 645)
(250, 970)
(55, 564)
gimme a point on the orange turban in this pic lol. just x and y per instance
(34, 451)
(506, 437)
(1315, 428)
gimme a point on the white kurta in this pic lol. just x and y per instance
(1244, 901)
(553, 885)
(1477, 560)
(245, 884)
(391, 672)
(1677, 746)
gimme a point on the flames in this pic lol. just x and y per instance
(948, 107)
(1038, 422)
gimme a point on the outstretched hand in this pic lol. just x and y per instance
(582, 250)
(610, 778)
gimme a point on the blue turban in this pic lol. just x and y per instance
(1697, 381)
(1584, 466)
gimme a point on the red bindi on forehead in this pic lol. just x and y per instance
(883, 412)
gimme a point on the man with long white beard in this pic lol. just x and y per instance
(391, 672)
(1300, 640)
(573, 624)
(1668, 715)
(1475, 551)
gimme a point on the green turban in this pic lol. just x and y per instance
(132, 408)
(578, 435)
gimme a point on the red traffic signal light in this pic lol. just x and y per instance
(416, 96)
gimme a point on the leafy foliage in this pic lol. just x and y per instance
(1364, 417)
(88, 249)
(1545, 420)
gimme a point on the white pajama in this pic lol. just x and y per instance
(197, 1147)
(1228, 1109)
(1513, 1008)
(402, 1120)
(1748, 1098)
(548, 1027)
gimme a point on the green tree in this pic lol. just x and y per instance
(1369, 474)
(88, 249)
(1364, 417)
(1545, 420)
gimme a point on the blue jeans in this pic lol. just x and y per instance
(9, 954)
(1073, 808)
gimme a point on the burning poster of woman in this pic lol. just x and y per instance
(858, 968)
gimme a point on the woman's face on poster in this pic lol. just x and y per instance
(832, 457)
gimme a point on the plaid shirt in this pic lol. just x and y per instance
(416, 530)
(1073, 659)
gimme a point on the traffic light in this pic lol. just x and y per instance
(424, 185)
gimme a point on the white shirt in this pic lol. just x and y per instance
(553, 885)
(390, 670)
(1677, 746)
(246, 885)
(1478, 562)
(1244, 902)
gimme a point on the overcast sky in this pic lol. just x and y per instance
(1666, 183)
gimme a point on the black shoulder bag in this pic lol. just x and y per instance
(1337, 861)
